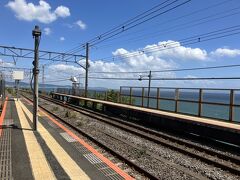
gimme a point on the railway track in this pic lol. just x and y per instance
(130, 162)
(206, 155)
(100, 144)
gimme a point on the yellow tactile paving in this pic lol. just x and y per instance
(40, 114)
(37, 158)
(67, 163)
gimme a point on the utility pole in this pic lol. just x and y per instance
(87, 66)
(43, 77)
(17, 88)
(79, 80)
(149, 86)
(79, 88)
(30, 76)
(36, 35)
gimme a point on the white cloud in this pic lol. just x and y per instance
(42, 12)
(81, 24)
(5, 64)
(62, 11)
(62, 39)
(225, 52)
(144, 61)
(199, 83)
(47, 31)
(69, 69)
(174, 50)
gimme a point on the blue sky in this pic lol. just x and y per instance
(70, 23)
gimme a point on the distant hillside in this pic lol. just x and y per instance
(27, 85)
(51, 86)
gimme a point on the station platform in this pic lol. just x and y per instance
(51, 152)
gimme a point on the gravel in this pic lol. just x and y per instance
(96, 128)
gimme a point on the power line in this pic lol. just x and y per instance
(217, 34)
(19, 68)
(181, 17)
(132, 19)
(192, 23)
(58, 80)
(168, 79)
(141, 22)
(174, 19)
(168, 70)
(136, 21)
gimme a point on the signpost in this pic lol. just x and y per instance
(17, 76)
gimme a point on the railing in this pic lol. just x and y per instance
(95, 94)
(221, 104)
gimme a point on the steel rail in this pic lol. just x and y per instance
(154, 136)
(91, 138)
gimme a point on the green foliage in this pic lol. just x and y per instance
(100, 96)
(55, 108)
(142, 152)
(70, 114)
(79, 123)
(11, 91)
(113, 96)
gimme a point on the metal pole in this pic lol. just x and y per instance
(87, 66)
(17, 88)
(36, 35)
(79, 88)
(231, 105)
(176, 99)
(79, 81)
(158, 96)
(200, 98)
(30, 76)
(149, 86)
(43, 77)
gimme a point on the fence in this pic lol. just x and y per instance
(95, 94)
(221, 104)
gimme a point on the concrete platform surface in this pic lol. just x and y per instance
(51, 152)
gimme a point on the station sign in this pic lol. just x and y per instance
(18, 75)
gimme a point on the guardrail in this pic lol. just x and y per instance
(223, 104)
(214, 103)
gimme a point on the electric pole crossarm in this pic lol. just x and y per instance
(43, 55)
(80, 65)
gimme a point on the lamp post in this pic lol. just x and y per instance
(36, 35)
(74, 85)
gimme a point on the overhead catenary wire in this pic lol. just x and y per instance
(139, 23)
(168, 70)
(180, 17)
(81, 47)
(132, 20)
(185, 25)
(217, 34)
(167, 79)
(57, 80)
(136, 21)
